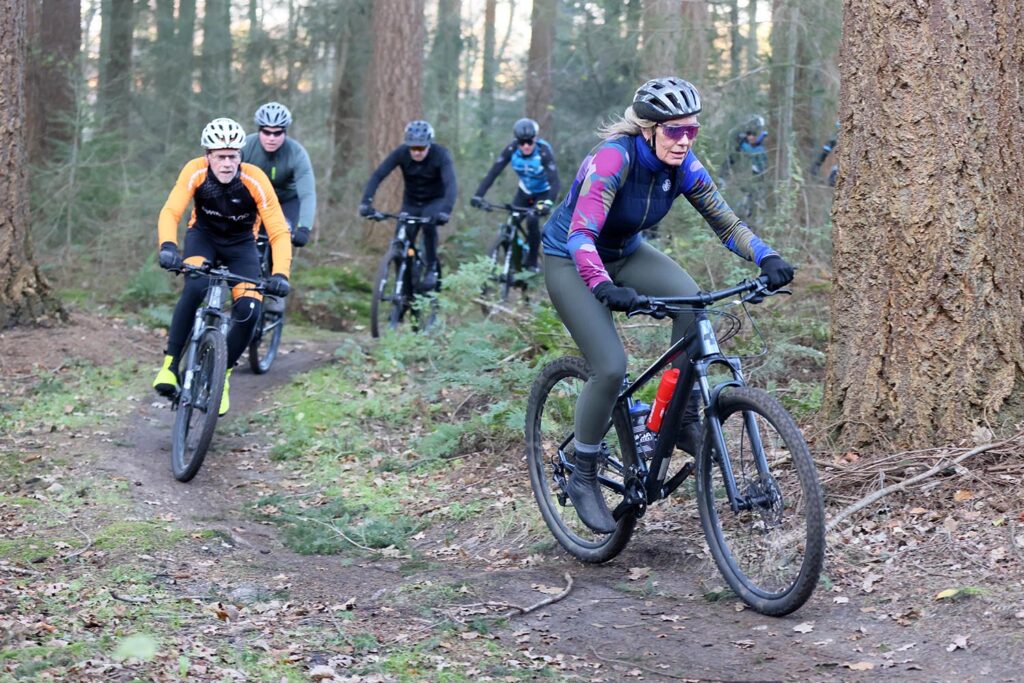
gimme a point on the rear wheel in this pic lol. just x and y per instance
(550, 457)
(390, 300)
(265, 341)
(197, 406)
(771, 550)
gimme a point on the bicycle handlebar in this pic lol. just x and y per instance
(539, 211)
(754, 291)
(381, 215)
(211, 271)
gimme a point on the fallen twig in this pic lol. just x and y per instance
(88, 539)
(516, 610)
(127, 598)
(900, 486)
(634, 665)
(18, 570)
(336, 530)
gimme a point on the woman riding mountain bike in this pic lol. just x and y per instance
(230, 199)
(596, 260)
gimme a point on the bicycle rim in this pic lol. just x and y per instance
(196, 417)
(549, 422)
(388, 306)
(265, 342)
(771, 554)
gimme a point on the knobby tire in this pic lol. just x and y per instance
(196, 415)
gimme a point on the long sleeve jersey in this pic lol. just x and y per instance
(425, 181)
(290, 172)
(622, 188)
(537, 171)
(230, 212)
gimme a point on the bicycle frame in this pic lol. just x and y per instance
(702, 348)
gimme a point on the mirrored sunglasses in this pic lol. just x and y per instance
(678, 131)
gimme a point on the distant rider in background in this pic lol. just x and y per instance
(430, 186)
(533, 160)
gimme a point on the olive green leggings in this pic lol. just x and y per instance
(646, 270)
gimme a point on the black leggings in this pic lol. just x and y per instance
(532, 222)
(241, 258)
(590, 323)
(429, 230)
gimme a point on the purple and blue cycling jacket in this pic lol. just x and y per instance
(621, 189)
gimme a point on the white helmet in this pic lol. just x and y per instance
(223, 134)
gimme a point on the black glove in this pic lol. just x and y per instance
(442, 218)
(278, 285)
(616, 298)
(366, 210)
(300, 237)
(778, 272)
(170, 259)
(477, 202)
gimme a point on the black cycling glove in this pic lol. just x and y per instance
(777, 270)
(278, 285)
(442, 218)
(616, 298)
(366, 210)
(170, 259)
(300, 237)
(477, 202)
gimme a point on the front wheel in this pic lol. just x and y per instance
(550, 457)
(265, 341)
(390, 298)
(198, 405)
(771, 549)
(502, 271)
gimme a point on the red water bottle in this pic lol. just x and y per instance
(664, 395)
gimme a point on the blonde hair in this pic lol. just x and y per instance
(629, 124)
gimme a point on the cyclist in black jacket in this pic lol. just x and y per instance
(430, 186)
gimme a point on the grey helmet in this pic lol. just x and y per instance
(662, 99)
(419, 133)
(273, 114)
(525, 129)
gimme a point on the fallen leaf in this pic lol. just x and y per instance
(859, 666)
(805, 627)
(947, 594)
(870, 581)
(637, 573)
(961, 495)
(959, 643)
(840, 600)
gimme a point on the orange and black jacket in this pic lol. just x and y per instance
(230, 213)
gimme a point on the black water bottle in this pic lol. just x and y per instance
(642, 436)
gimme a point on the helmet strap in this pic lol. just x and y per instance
(651, 141)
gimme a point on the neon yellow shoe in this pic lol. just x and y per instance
(225, 399)
(166, 382)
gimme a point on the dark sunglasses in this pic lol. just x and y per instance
(678, 131)
(273, 133)
(417, 148)
(524, 143)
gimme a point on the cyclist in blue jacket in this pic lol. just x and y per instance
(534, 162)
(596, 260)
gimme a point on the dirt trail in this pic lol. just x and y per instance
(608, 628)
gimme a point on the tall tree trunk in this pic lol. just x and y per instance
(395, 88)
(693, 60)
(927, 304)
(735, 39)
(24, 294)
(490, 67)
(55, 38)
(254, 56)
(752, 56)
(116, 54)
(350, 66)
(539, 93)
(215, 69)
(291, 74)
(182, 104)
(662, 33)
(443, 78)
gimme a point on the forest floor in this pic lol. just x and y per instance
(111, 570)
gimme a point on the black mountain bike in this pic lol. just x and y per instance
(204, 365)
(398, 291)
(510, 247)
(266, 339)
(757, 490)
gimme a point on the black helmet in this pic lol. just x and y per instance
(525, 129)
(419, 133)
(662, 99)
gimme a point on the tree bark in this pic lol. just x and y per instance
(443, 78)
(55, 44)
(490, 67)
(115, 86)
(735, 39)
(928, 259)
(395, 89)
(25, 296)
(662, 32)
(695, 41)
(539, 92)
(351, 64)
(215, 69)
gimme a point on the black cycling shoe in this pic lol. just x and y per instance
(689, 438)
(585, 493)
